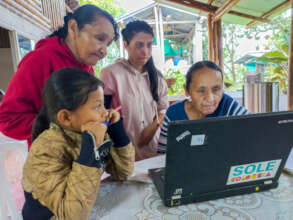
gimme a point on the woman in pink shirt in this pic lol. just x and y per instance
(139, 88)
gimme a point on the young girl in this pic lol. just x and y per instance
(204, 87)
(140, 89)
(71, 148)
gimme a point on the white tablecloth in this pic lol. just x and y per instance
(140, 201)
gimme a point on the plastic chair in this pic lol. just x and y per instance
(8, 209)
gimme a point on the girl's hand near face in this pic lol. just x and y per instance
(113, 116)
(97, 129)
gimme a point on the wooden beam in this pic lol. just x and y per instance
(38, 2)
(264, 20)
(26, 6)
(34, 5)
(290, 72)
(196, 5)
(37, 21)
(212, 9)
(226, 7)
(271, 12)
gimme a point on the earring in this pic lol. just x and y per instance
(189, 99)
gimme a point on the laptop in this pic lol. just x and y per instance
(219, 157)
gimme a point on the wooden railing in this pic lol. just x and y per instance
(47, 14)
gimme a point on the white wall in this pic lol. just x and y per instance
(6, 67)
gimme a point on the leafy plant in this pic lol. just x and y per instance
(177, 88)
(111, 6)
(232, 85)
(278, 69)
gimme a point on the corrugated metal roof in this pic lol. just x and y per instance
(250, 7)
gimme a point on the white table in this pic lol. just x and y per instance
(140, 201)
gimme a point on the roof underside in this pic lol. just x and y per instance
(177, 24)
(250, 7)
(179, 20)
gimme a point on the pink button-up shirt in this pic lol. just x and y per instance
(131, 89)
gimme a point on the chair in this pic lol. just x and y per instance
(7, 204)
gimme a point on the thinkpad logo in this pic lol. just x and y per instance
(182, 136)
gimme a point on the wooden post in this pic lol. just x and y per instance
(226, 7)
(290, 73)
(220, 43)
(216, 43)
(211, 37)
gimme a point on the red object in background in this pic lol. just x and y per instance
(22, 100)
(172, 102)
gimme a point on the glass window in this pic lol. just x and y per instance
(25, 45)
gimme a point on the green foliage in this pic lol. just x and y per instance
(231, 85)
(278, 68)
(232, 33)
(205, 43)
(278, 56)
(277, 37)
(111, 6)
(113, 53)
(177, 88)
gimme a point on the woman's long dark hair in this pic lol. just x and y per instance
(199, 65)
(131, 29)
(85, 14)
(66, 88)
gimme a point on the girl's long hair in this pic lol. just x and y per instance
(66, 88)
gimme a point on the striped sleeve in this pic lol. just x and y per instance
(162, 146)
(236, 109)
